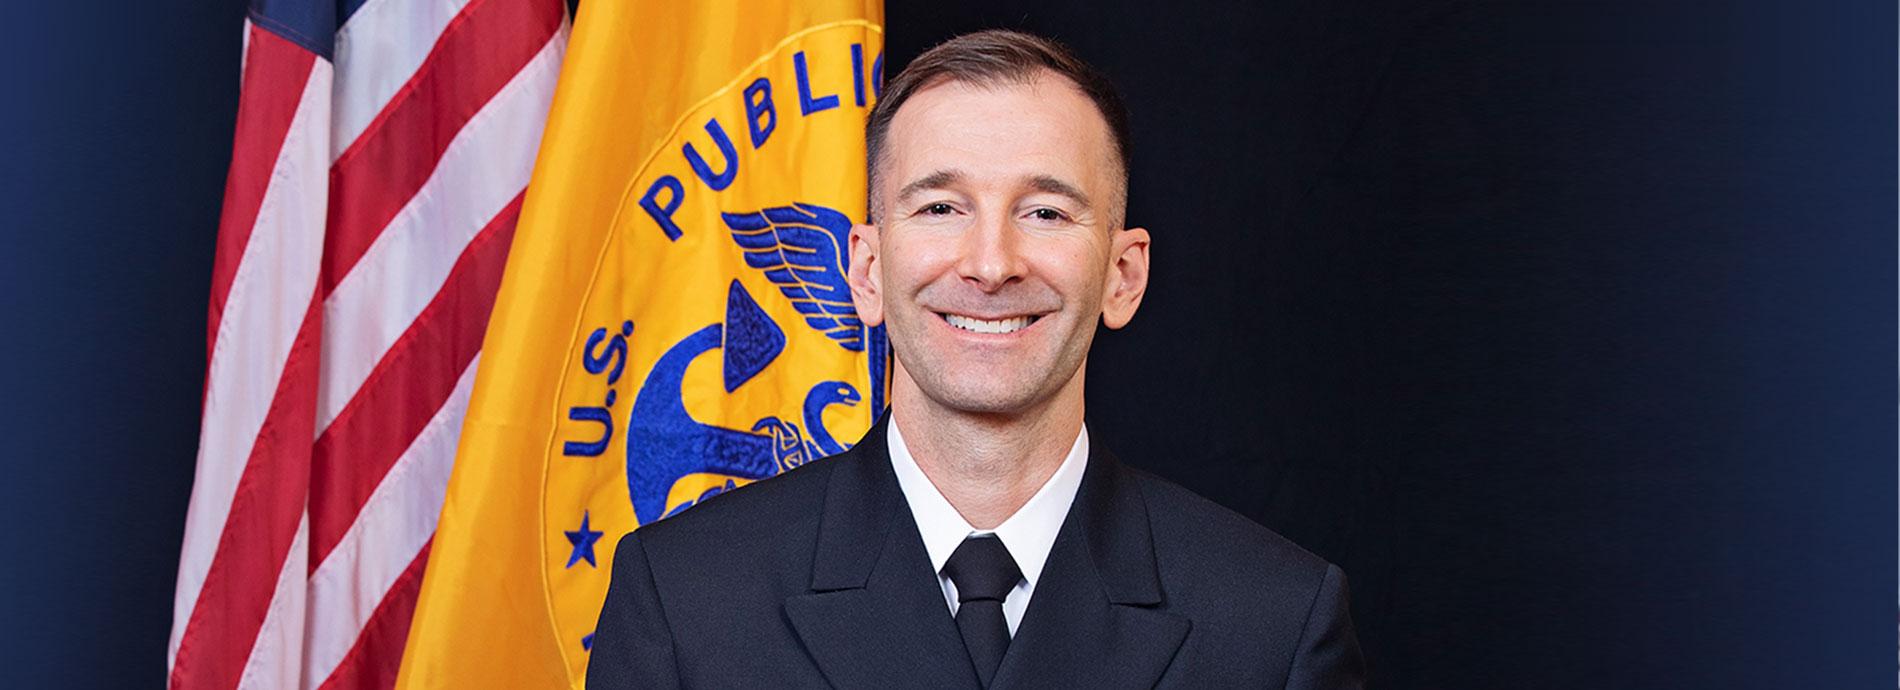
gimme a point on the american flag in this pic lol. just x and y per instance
(381, 153)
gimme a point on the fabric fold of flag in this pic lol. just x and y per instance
(381, 154)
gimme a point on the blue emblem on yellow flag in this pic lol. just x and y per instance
(726, 244)
(665, 443)
(802, 249)
(674, 322)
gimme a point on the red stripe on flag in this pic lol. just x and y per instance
(265, 510)
(373, 661)
(275, 71)
(478, 53)
(406, 388)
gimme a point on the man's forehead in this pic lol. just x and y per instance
(950, 99)
(966, 127)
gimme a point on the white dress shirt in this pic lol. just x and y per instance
(1028, 534)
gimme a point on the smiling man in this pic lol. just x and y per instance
(976, 538)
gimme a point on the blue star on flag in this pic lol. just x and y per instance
(583, 542)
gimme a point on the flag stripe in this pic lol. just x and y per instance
(395, 523)
(370, 208)
(378, 175)
(400, 398)
(377, 655)
(263, 120)
(266, 511)
(377, 51)
(486, 167)
(264, 315)
(277, 652)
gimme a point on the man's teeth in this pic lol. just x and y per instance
(1010, 325)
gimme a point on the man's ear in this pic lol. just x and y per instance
(1127, 277)
(865, 288)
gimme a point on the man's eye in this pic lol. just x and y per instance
(1048, 214)
(937, 209)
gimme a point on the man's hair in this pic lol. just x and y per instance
(999, 57)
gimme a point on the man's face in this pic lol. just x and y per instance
(994, 256)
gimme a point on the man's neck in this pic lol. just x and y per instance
(988, 465)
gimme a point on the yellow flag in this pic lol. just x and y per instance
(673, 321)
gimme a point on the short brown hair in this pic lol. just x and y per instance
(998, 56)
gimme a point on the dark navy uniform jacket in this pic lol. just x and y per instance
(818, 578)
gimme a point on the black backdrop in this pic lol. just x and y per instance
(1567, 329)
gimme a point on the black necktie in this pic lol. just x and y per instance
(984, 574)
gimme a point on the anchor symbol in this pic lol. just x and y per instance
(665, 443)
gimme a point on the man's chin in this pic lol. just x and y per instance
(999, 401)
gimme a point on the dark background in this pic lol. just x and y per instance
(1567, 329)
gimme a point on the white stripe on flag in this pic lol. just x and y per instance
(270, 295)
(393, 526)
(377, 51)
(244, 51)
(484, 167)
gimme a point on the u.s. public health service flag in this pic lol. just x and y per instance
(673, 322)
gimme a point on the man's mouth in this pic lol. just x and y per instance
(998, 326)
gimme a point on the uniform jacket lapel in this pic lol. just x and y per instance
(875, 616)
(1093, 619)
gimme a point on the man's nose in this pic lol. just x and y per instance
(991, 254)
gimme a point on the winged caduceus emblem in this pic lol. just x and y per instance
(801, 248)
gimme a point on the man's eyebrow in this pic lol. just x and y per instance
(1042, 183)
(1051, 185)
(936, 180)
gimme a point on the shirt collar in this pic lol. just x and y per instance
(1028, 534)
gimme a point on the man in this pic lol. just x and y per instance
(976, 537)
